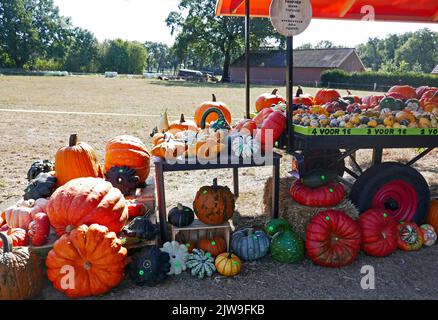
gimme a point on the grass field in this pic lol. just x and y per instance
(37, 115)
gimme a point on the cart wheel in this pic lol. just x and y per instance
(395, 187)
(324, 159)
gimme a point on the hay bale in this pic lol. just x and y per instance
(299, 216)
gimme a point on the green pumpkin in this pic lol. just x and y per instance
(201, 263)
(392, 104)
(41, 187)
(317, 178)
(286, 246)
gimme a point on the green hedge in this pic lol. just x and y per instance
(365, 80)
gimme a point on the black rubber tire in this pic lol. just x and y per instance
(364, 189)
(324, 159)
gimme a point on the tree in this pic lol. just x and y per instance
(32, 28)
(158, 56)
(197, 25)
(123, 56)
(83, 53)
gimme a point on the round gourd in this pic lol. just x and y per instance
(21, 272)
(325, 196)
(214, 204)
(128, 151)
(181, 216)
(429, 234)
(178, 255)
(87, 201)
(149, 267)
(97, 256)
(379, 233)
(410, 237)
(214, 245)
(201, 264)
(286, 246)
(40, 187)
(227, 264)
(76, 160)
(250, 244)
(333, 239)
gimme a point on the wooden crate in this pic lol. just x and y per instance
(198, 230)
(146, 195)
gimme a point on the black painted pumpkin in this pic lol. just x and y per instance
(181, 216)
(141, 227)
(40, 187)
(38, 167)
(149, 267)
(123, 178)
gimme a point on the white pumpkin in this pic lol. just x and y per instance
(245, 146)
(178, 254)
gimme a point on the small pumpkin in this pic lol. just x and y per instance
(227, 264)
(325, 196)
(429, 100)
(142, 228)
(40, 187)
(123, 178)
(178, 255)
(245, 146)
(429, 234)
(199, 112)
(410, 237)
(333, 239)
(432, 214)
(201, 263)
(169, 150)
(181, 125)
(126, 150)
(161, 137)
(149, 267)
(21, 272)
(39, 229)
(38, 167)
(181, 216)
(214, 204)
(379, 233)
(19, 215)
(18, 236)
(87, 201)
(135, 208)
(250, 244)
(215, 245)
(266, 100)
(97, 256)
(286, 245)
(76, 160)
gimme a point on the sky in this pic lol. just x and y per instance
(144, 20)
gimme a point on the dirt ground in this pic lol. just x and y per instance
(37, 115)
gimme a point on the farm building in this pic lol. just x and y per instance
(269, 66)
(435, 71)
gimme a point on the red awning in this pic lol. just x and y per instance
(385, 10)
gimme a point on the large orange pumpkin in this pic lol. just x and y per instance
(429, 100)
(96, 256)
(407, 92)
(266, 100)
(326, 95)
(199, 112)
(76, 160)
(432, 214)
(128, 151)
(87, 201)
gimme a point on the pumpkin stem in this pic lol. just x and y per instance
(250, 231)
(274, 92)
(230, 254)
(181, 119)
(87, 265)
(69, 228)
(7, 242)
(73, 140)
(180, 207)
(213, 97)
(348, 92)
(214, 183)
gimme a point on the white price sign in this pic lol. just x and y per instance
(290, 17)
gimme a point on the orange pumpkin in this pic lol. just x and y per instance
(97, 257)
(227, 264)
(161, 137)
(326, 95)
(128, 151)
(432, 214)
(215, 245)
(304, 100)
(18, 236)
(266, 100)
(19, 215)
(429, 100)
(77, 160)
(87, 201)
(169, 150)
(407, 92)
(182, 125)
(214, 204)
(199, 112)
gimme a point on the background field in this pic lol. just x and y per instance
(37, 115)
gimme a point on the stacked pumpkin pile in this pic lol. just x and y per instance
(70, 206)
(401, 107)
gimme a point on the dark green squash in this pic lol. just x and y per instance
(220, 124)
(38, 167)
(181, 216)
(142, 228)
(123, 178)
(249, 244)
(41, 187)
(317, 178)
(286, 246)
(391, 104)
(149, 267)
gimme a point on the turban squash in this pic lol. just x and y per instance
(128, 151)
(98, 259)
(76, 160)
(87, 201)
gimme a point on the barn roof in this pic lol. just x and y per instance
(435, 71)
(303, 58)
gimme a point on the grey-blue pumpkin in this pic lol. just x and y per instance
(250, 244)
